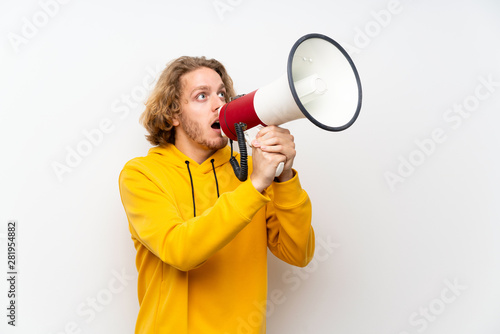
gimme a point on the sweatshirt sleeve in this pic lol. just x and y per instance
(185, 245)
(289, 230)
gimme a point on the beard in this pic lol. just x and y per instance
(194, 132)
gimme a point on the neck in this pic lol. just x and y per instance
(197, 153)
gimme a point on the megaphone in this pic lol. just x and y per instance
(321, 84)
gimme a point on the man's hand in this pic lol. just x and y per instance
(272, 146)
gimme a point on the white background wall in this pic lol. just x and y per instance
(418, 254)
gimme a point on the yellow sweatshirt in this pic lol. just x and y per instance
(202, 259)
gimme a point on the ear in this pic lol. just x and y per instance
(175, 121)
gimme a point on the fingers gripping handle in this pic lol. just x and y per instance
(250, 136)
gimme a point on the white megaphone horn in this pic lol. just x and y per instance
(321, 84)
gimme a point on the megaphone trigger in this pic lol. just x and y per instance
(279, 169)
(251, 134)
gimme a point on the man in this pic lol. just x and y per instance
(201, 235)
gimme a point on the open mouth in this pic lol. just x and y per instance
(216, 125)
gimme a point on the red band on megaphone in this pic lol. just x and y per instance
(236, 111)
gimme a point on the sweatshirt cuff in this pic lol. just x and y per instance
(289, 193)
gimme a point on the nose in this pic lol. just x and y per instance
(217, 104)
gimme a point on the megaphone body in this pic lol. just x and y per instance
(321, 84)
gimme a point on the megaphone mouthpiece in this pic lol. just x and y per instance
(238, 110)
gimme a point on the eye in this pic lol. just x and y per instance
(222, 95)
(201, 96)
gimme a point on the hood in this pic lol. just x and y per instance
(178, 159)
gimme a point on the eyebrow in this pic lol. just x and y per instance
(204, 87)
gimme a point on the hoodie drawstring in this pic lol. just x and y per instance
(192, 185)
(192, 188)
(215, 176)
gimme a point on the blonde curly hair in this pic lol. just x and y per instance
(164, 104)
